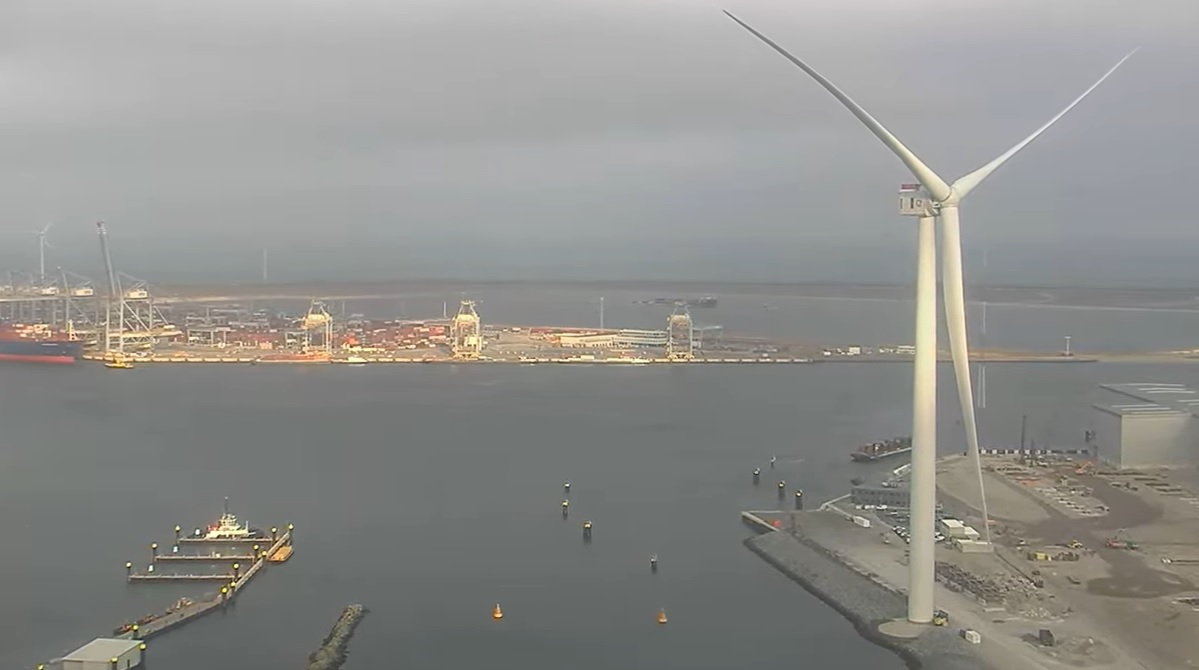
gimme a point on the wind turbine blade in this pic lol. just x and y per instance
(935, 186)
(955, 326)
(968, 182)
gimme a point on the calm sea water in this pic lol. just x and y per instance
(429, 493)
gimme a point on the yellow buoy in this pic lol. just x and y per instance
(497, 613)
(661, 616)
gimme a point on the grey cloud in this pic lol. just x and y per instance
(541, 124)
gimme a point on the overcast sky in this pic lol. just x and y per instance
(399, 138)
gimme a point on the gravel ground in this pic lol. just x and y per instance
(863, 601)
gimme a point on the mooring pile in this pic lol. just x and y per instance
(332, 654)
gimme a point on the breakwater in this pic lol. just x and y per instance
(864, 601)
(332, 653)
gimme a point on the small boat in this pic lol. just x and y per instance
(229, 528)
(119, 363)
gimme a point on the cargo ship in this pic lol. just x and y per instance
(707, 301)
(880, 450)
(37, 343)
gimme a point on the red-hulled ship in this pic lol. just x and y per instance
(37, 343)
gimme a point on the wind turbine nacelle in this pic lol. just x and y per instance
(914, 201)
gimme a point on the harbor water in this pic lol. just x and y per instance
(430, 493)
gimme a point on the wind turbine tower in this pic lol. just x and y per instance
(42, 245)
(943, 200)
(922, 505)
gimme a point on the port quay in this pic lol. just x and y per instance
(240, 547)
(140, 324)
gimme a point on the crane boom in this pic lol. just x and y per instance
(114, 293)
(114, 289)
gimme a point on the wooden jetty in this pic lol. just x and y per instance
(204, 558)
(232, 541)
(255, 563)
(160, 577)
(174, 618)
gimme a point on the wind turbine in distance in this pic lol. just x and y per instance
(942, 200)
(42, 245)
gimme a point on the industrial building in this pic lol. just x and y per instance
(632, 338)
(103, 654)
(1159, 430)
(621, 339)
(895, 496)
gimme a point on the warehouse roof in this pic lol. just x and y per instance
(1164, 398)
(1141, 409)
(102, 650)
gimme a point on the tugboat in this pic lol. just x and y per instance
(229, 528)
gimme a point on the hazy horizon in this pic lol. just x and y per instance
(590, 140)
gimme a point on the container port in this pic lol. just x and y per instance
(124, 321)
(236, 333)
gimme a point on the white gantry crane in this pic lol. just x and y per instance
(132, 308)
(318, 320)
(466, 332)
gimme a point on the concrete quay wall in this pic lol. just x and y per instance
(866, 603)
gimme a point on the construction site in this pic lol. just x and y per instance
(1079, 560)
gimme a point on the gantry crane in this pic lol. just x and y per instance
(680, 334)
(114, 293)
(136, 314)
(318, 320)
(466, 334)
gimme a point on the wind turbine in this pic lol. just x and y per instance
(942, 200)
(42, 245)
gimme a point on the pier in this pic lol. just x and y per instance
(194, 610)
(236, 581)
(156, 577)
(203, 558)
(188, 610)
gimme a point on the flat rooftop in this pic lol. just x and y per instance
(102, 649)
(1156, 399)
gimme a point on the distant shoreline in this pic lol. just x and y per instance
(1180, 300)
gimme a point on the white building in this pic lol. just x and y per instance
(103, 654)
(1157, 431)
(630, 338)
(578, 341)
